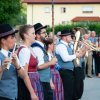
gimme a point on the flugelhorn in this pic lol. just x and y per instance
(79, 32)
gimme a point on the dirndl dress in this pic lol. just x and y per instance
(23, 93)
(34, 77)
(58, 93)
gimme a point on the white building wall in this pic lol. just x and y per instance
(36, 13)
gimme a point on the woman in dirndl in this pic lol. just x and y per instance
(56, 82)
(29, 61)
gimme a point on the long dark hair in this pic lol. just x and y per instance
(48, 41)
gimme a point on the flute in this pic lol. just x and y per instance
(11, 56)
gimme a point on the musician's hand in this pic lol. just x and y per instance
(87, 47)
(34, 97)
(53, 61)
(52, 85)
(5, 63)
(78, 54)
(14, 60)
(80, 42)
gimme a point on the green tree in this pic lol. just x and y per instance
(10, 11)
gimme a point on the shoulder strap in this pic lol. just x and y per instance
(68, 46)
(20, 49)
(38, 45)
(63, 44)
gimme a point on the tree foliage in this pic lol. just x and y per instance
(10, 11)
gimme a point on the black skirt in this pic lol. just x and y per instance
(23, 93)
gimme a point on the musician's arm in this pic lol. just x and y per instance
(64, 55)
(1, 70)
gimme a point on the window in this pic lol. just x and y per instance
(47, 9)
(63, 22)
(63, 10)
(87, 9)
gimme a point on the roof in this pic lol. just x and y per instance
(78, 19)
(62, 1)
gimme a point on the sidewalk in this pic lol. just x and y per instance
(91, 89)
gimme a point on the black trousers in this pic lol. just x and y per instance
(97, 62)
(68, 83)
(78, 83)
(3, 98)
(48, 93)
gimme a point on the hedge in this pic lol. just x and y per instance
(93, 26)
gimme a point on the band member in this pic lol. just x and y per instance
(8, 82)
(29, 62)
(44, 63)
(79, 63)
(56, 79)
(65, 56)
(97, 58)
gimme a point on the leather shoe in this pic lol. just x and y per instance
(89, 76)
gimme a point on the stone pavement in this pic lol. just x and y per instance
(91, 89)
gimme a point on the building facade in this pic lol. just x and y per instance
(65, 11)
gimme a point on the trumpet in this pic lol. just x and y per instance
(92, 46)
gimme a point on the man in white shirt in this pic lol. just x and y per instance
(43, 60)
(65, 58)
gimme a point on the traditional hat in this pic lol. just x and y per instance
(65, 33)
(6, 30)
(39, 26)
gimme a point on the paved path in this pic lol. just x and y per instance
(91, 89)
